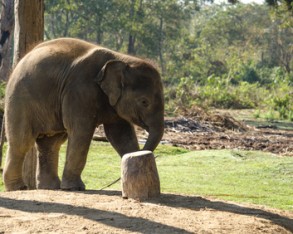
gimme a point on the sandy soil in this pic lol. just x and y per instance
(106, 212)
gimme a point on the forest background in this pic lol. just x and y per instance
(224, 55)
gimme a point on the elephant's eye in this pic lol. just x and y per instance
(144, 102)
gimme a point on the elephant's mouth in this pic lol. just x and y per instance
(141, 123)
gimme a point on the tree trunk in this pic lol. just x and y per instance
(29, 26)
(29, 31)
(131, 37)
(131, 42)
(161, 44)
(7, 26)
(139, 176)
(2, 141)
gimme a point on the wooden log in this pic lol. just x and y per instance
(139, 176)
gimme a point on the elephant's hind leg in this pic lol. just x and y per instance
(15, 155)
(48, 154)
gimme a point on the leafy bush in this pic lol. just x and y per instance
(283, 105)
(2, 89)
(246, 86)
(247, 73)
(217, 93)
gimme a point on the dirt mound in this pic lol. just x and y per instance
(202, 130)
(270, 140)
(40, 211)
(216, 121)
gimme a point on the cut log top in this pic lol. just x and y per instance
(142, 153)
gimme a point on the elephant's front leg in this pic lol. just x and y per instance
(122, 136)
(48, 154)
(79, 140)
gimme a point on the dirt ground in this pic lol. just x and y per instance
(199, 130)
(263, 138)
(106, 212)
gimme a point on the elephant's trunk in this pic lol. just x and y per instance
(155, 135)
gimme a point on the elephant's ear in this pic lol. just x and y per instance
(110, 79)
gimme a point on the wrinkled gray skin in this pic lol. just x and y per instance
(63, 89)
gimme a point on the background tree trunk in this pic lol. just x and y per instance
(131, 37)
(161, 46)
(29, 26)
(29, 31)
(7, 26)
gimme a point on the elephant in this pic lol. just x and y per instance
(62, 90)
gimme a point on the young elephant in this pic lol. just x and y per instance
(63, 89)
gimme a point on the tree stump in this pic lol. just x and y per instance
(139, 176)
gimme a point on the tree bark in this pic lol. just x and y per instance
(7, 26)
(139, 176)
(131, 42)
(161, 42)
(131, 36)
(2, 141)
(29, 31)
(29, 26)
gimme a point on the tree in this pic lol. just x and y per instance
(286, 4)
(144, 28)
(29, 31)
(7, 26)
(29, 26)
(280, 48)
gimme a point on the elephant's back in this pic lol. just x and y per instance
(50, 61)
(69, 46)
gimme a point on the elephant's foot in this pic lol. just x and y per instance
(16, 185)
(72, 185)
(48, 183)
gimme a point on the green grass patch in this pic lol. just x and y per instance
(240, 176)
(103, 164)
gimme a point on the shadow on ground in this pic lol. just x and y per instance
(169, 200)
(199, 203)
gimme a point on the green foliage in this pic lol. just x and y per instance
(284, 106)
(218, 93)
(248, 74)
(2, 92)
(223, 95)
(224, 56)
(2, 89)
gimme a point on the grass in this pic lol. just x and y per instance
(103, 164)
(240, 176)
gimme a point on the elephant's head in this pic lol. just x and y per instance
(135, 91)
